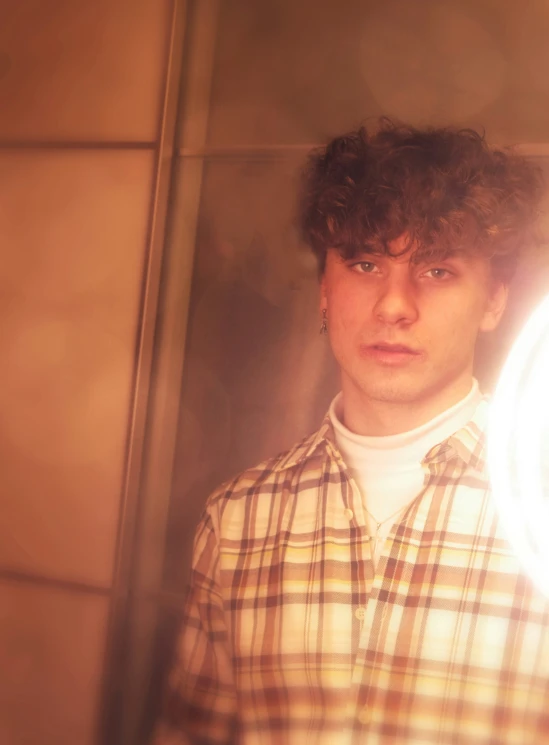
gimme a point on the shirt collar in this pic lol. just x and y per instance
(467, 445)
(309, 447)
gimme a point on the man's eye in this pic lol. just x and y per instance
(364, 267)
(437, 273)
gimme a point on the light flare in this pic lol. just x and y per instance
(516, 450)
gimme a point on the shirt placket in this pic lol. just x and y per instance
(375, 617)
(354, 512)
(363, 608)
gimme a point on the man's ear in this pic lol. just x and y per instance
(495, 307)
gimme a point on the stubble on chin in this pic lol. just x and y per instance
(386, 386)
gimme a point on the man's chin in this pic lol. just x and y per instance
(396, 389)
(394, 395)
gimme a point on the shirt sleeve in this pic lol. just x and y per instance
(200, 708)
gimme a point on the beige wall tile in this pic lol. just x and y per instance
(73, 228)
(51, 656)
(82, 70)
(291, 72)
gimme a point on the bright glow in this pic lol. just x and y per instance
(517, 452)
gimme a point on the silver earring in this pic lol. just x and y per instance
(324, 326)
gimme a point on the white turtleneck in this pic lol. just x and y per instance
(388, 469)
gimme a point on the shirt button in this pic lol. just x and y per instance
(364, 715)
(348, 514)
(360, 613)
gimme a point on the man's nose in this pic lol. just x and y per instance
(396, 302)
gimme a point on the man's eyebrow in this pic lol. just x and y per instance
(358, 256)
(368, 252)
(433, 259)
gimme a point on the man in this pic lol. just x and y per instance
(359, 588)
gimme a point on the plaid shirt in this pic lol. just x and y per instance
(290, 636)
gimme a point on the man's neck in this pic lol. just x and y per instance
(374, 418)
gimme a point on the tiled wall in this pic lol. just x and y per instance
(80, 96)
(81, 91)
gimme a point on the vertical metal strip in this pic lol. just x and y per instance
(117, 652)
(174, 305)
(158, 386)
(163, 417)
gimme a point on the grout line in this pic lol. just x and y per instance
(245, 151)
(159, 596)
(528, 149)
(532, 149)
(6, 144)
(29, 578)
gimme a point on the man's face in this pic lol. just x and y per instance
(404, 332)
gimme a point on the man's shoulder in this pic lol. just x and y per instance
(303, 459)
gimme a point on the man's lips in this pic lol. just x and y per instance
(385, 353)
(395, 348)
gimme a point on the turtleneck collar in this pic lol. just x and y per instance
(409, 447)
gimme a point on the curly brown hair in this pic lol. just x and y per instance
(444, 187)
